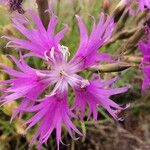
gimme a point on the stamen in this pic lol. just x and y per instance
(62, 73)
(84, 83)
(65, 51)
(51, 56)
(46, 56)
(56, 88)
(52, 53)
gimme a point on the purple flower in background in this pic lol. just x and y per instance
(13, 5)
(144, 4)
(144, 46)
(52, 111)
(4, 2)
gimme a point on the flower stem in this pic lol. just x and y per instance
(42, 6)
(114, 67)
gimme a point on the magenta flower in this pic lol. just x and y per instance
(144, 4)
(14, 5)
(87, 52)
(95, 94)
(3, 1)
(39, 41)
(144, 46)
(52, 111)
(25, 84)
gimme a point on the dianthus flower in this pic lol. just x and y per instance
(39, 41)
(52, 111)
(144, 4)
(144, 46)
(14, 5)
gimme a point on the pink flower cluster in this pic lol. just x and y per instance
(144, 46)
(28, 83)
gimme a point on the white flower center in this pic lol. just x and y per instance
(62, 73)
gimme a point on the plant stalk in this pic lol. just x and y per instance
(42, 6)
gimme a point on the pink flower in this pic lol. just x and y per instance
(96, 94)
(3, 1)
(144, 46)
(39, 41)
(25, 84)
(144, 4)
(87, 52)
(53, 110)
(13, 5)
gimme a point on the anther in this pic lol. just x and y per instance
(65, 51)
(84, 83)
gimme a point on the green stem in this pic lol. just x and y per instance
(58, 7)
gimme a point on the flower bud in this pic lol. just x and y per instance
(8, 30)
(114, 67)
(106, 5)
(9, 108)
(19, 128)
(120, 9)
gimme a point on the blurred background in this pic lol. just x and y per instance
(106, 134)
